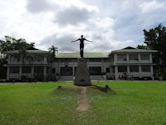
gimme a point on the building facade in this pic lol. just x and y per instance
(127, 63)
(2, 68)
(28, 65)
(132, 64)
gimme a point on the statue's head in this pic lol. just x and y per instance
(82, 36)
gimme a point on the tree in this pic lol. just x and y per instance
(155, 38)
(51, 57)
(53, 51)
(141, 47)
(11, 43)
(21, 44)
(5, 46)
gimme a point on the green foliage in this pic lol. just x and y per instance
(52, 53)
(135, 103)
(15, 44)
(155, 38)
(141, 47)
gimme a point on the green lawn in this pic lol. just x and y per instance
(130, 103)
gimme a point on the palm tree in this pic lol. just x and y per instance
(53, 51)
(52, 55)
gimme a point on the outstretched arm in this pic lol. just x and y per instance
(75, 40)
(88, 40)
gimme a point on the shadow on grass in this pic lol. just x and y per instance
(75, 90)
(63, 90)
(105, 89)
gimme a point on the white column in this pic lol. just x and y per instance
(151, 58)
(116, 67)
(127, 57)
(73, 72)
(151, 71)
(32, 72)
(116, 72)
(140, 71)
(128, 71)
(115, 58)
(104, 71)
(45, 59)
(139, 57)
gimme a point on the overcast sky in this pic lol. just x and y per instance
(111, 24)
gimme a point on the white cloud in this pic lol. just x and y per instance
(151, 6)
(76, 3)
(110, 24)
(73, 15)
(36, 6)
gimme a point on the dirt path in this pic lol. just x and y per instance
(82, 100)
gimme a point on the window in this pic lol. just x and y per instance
(39, 58)
(53, 70)
(134, 68)
(111, 59)
(29, 58)
(112, 69)
(133, 57)
(121, 57)
(66, 71)
(15, 58)
(38, 69)
(96, 70)
(95, 59)
(145, 68)
(107, 60)
(107, 70)
(122, 68)
(65, 60)
(145, 57)
(14, 69)
(26, 69)
(75, 70)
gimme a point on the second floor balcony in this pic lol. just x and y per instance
(133, 58)
(27, 60)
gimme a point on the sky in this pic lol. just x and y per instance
(110, 24)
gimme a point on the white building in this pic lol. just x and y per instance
(132, 63)
(30, 65)
(128, 63)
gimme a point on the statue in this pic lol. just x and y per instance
(82, 39)
(82, 77)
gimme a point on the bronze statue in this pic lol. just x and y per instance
(82, 39)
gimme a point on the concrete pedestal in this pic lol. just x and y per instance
(82, 77)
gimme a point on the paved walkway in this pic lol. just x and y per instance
(82, 102)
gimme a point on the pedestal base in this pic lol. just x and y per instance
(82, 77)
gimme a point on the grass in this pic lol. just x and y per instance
(135, 103)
